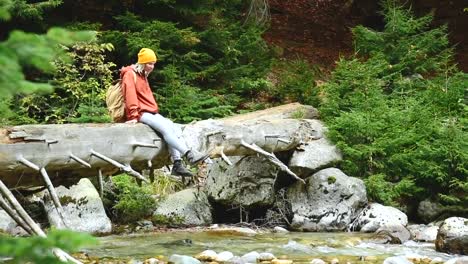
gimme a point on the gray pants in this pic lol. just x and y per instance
(170, 133)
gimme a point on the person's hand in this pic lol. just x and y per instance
(133, 121)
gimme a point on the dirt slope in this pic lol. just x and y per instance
(319, 30)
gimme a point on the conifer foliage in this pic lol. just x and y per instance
(397, 111)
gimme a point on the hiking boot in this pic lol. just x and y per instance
(179, 170)
(195, 157)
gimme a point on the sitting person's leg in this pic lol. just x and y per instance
(171, 136)
(178, 168)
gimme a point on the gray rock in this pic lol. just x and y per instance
(428, 211)
(396, 234)
(266, 256)
(83, 209)
(329, 201)
(249, 182)
(313, 155)
(453, 236)
(376, 215)
(426, 233)
(8, 225)
(190, 206)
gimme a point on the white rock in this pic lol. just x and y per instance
(265, 256)
(224, 256)
(279, 229)
(250, 257)
(317, 261)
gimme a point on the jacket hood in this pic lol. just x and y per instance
(123, 70)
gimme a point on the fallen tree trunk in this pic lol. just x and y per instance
(68, 152)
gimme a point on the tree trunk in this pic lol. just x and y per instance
(72, 151)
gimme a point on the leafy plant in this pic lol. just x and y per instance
(132, 202)
(79, 88)
(37, 249)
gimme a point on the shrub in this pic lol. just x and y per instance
(132, 202)
(397, 111)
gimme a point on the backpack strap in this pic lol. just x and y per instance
(134, 77)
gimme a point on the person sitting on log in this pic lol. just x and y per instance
(141, 106)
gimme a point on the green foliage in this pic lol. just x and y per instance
(397, 112)
(24, 9)
(74, 101)
(39, 250)
(295, 82)
(133, 202)
(167, 220)
(196, 64)
(27, 52)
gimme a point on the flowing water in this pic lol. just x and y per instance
(298, 246)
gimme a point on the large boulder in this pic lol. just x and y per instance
(453, 236)
(329, 201)
(313, 155)
(248, 182)
(82, 207)
(187, 207)
(376, 215)
(428, 211)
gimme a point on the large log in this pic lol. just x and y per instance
(72, 151)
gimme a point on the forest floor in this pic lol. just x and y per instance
(320, 31)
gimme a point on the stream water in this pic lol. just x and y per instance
(297, 246)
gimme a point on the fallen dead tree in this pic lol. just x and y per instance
(34, 155)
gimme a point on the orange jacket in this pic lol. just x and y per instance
(138, 98)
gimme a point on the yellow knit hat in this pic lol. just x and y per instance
(146, 55)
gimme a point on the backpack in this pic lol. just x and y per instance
(115, 101)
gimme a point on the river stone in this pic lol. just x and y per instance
(279, 229)
(397, 260)
(250, 257)
(207, 255)
(266, 256)
(426, 233)
(313, 155)
(329, 201)
(376, 215)
(394, 233)
(249, 182)
(181, 259)
(8, 225)
(224, 256)
(317, 261)
(232, 230)
(428, 211)
(187, 207)
(83, 209)
(453, 236)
